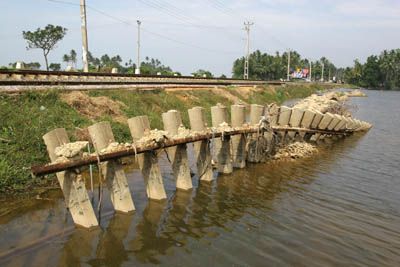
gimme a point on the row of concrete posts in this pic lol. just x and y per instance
(226, 153)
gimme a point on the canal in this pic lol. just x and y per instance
(339, 207)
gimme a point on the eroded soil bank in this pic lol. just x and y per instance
(26, 117)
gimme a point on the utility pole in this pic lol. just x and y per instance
(322, 76)
(137, 71)
(84, 37)
(246, 59)
(288, 66)
(310, 70)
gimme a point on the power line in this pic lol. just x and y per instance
(219, 5)
(187, 44)
(127, 22)
(167, 11)
(178, 13)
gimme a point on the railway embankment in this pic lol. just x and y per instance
(26, 116)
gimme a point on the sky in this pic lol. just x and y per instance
(205, 34)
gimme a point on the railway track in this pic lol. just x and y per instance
(54, 78)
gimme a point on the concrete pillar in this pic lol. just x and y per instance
(336, 119)
(177, 154)
(283, 120)
(308, 118)
(257, 144)
(323, 125)
(272, 114)
(148, 161)
(222, 146)
(340, 125)
(317, 119)
(72, 184)
(238, 118)
(201, 148)
(314, 125)
(326, 120)
(19, 65)
(284, 116)
(295, 120)
(102, 136)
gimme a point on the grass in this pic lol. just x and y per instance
(26, 117)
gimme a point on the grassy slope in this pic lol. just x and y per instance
(26, 117)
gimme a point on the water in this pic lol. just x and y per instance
(340, 207)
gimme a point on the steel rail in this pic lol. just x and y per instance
(36, 78)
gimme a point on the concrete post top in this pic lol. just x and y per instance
(101, 135)
(238, 115)
(197, 118)
(139, 126)
(219, 114)
(256, 106)
(256, 112)
(172, 120)
(197, 108)
(238, 106)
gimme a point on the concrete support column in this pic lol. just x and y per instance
(295, 120)
(102, 136)
(72, 184)
(323, 125)
(272, 113)
(283, 120)
(148, 161)
(177, 154)
(336, 119)
(257, 143)
(308, 118)
(238, 118)
(222, 147)
(201, 148)
(314, 125)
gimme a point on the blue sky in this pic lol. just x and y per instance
(208, 34)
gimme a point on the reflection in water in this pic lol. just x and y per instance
(336, 208)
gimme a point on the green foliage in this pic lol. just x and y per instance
(203, 73)
(263, 66)
(55, 66)
(71, 58)
(106, 63)
(381, 71)
(29, 66)
(153, 66)
(21, 143)
(45, 39)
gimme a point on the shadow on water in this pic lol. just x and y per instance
(161, 229)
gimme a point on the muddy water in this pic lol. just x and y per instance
(341, 207)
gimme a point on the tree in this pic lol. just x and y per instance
(263, 66)
(55, 66)
(45, 39)
(71, 58)
(29, 66)
(152, 66)
(202, 73)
